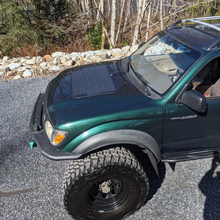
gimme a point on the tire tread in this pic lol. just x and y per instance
(77, 168)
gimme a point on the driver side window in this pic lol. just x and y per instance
(207, 80)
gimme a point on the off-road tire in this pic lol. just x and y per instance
(124, 180)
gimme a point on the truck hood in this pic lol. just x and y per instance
(91, 90)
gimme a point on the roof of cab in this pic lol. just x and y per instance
(201, 35)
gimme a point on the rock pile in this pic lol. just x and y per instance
(23, 67)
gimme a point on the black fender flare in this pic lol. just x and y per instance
(124, 136)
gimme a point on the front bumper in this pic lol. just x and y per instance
(40, 136)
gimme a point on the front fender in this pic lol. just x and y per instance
(124, 136)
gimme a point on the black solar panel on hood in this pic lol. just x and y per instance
(91, 81)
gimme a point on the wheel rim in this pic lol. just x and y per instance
(107, 195)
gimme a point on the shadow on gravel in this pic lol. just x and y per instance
(7, 151)
(210, 187)
(11, 148)
(155, 182)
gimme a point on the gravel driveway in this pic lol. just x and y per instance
(30, 184)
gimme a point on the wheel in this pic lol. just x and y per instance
(109, 184)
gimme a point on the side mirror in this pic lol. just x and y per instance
(194, 100)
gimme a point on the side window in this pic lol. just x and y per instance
(207, 80)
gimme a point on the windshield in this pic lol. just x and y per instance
(161, 61)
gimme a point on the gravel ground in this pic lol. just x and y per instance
(30, 184)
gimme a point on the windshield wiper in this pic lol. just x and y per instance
(140, 77)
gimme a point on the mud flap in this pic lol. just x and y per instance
(152, 160)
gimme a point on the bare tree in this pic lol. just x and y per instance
(148, 20)
(113, 18)
(102, 9)
(141, 8)
(103, 21)
(170, 2)
(175, 9)
(85, 7)
(128, 7)
(120, 20)
(157, 8)
(161, 15)
(91, 13)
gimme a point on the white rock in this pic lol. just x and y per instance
(27, 73)
(75, 57)
(31, 62)
(126, 49)
(44, 64)
(23, 60)
(5, 58)
(116, 58)
(96, 59)
(57, 54)
(63, 60)
(89, 60)
(74, 54)
(17, 77)
(134, 48)
(117, 52)
(27, 58)
(50, 64)
(69, 63)
(15, 61)
(42, 70)
(55, 68)
(13, 66)
(56, 60)
(9, 73)
(2, 74)
(5, 63)
(88, 54)
(38, 61)
(4, 69)
(67, 56)
(102, 54)
(21, 69)
(108, 52)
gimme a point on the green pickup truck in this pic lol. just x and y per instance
(163, 101)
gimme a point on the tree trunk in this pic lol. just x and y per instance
(109, 8)
(113, 18)
(157, 8)
(141, 8)
(148, 21)
(98, 10)
(86, 7)
(138, 21)
(102, 7)
(79, 7)
(169, 10)
(103, 27)
(91, 16)
(175, 9)
(127, 14)
(37, 13)
(161, 15)
(120, 20)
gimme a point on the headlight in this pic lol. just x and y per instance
(55, 136)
